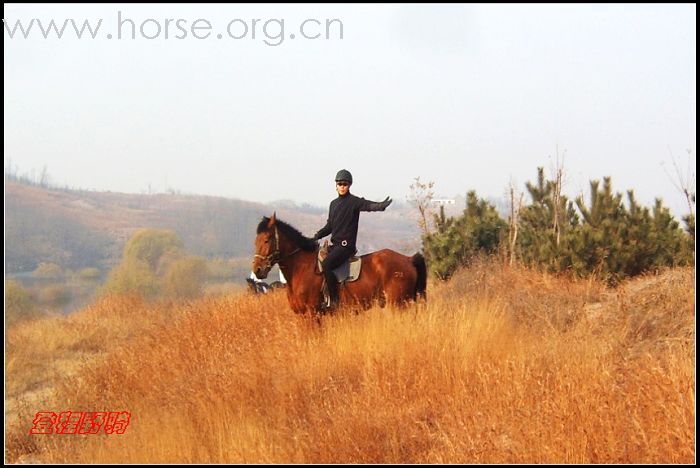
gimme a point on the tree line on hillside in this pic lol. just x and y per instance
(608, 235)
(154, 266)
(50, 229)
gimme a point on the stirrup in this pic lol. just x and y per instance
(327, 304)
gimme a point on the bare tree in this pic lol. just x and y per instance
(684, 181)
(44, 177)
(558, 208)
(421, 197)
(514, 215)
(9, 173)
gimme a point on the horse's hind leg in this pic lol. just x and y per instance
(394, 295)
(397, 292)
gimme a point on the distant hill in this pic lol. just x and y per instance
(77, 229)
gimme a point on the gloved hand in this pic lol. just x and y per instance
(387, 201)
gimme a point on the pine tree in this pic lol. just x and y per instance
(609, 239)
(547, 225)
(443, 248)
(669, 239)
(457, 240)
(617, 242)
(599, 248)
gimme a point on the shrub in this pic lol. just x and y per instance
(19, 305)
(55, 295)
(149, 245)
(132, 276)
(219, 269)
(185, 277)
(48, 271)
(89, 274)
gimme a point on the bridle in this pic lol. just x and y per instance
(275, 257)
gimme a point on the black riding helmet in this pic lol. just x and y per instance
(343, 175)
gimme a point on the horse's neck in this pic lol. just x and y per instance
(299, 266)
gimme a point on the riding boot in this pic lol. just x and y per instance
(332, 285)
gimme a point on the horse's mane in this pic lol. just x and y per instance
(294, 235)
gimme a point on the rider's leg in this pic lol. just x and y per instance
(336, 256)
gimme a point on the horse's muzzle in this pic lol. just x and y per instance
(261, 273)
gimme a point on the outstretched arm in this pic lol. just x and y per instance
(376, 206)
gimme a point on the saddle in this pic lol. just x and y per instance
(348, 272)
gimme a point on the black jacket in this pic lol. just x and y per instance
(344, 219)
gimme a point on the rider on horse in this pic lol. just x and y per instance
(342, 224)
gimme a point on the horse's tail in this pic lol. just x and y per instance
(421, 282)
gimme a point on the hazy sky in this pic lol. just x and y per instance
(470, 97)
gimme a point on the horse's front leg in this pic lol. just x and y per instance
(305, 299)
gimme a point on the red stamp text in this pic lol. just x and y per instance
(80, 422)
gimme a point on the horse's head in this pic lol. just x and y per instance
(267, 248)
(278, 242)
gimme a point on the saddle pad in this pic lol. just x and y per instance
(349, 271)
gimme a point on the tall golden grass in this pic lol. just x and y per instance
(503, 365)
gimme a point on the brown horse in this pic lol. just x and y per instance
(387, 277)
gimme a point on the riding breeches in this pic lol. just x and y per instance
(337, 254)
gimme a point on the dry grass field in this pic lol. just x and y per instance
(503, 365)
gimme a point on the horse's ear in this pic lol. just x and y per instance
(272, 221)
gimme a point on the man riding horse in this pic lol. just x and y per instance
(342, 225)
